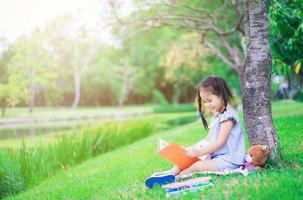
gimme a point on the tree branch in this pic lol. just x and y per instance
(237, 7)
(220, 55)
(206, 22)
(232, 30)
(199, 23)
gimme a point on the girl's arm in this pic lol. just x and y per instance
(196, 144)
(224, 133)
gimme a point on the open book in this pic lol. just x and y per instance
(175, 154)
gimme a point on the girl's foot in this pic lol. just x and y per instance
(159, 179)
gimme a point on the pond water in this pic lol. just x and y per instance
(26, 127)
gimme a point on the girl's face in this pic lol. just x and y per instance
(212, 102)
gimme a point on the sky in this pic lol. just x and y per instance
(19, 17)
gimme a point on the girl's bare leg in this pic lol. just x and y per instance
(175, 170)
(200, 166)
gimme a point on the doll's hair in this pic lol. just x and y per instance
(217, 86)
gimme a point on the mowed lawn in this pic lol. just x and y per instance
(120, 174)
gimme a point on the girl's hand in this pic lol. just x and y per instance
(194, 151)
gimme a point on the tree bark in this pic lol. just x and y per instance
(32, 90)
(77, 82)
(301, 81)
(125, 88)
(256, 79)
(3, 107)
(78, 75)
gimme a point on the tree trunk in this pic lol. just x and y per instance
(256, 79)
(77, 80)
(32, 90)
(3, 107)
(126, 75)
(301, 81)
(289, 81)
(125, 89)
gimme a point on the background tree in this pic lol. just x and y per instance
(28, 68)
(184, 63)
(6, 53)
(220, 30)
(220, 24)
(73, 49)
(286, 34)
(256, 82)
(143, 52)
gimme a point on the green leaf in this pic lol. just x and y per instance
(297, 68)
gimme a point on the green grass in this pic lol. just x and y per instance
(34, 163)
(120, 174)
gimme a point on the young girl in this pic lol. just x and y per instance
(226, 140)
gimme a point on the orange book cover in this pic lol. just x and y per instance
(177, 155)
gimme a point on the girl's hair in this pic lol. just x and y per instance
(216, 86)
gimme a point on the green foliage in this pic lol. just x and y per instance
(182, 120)
(28, 166)
(286, 29)
(274, 89)
(25, 157)
(10, 175)
(6, 53)
(178, 51)
(127, 74)
(159, 98)
(169, 60)
(174, 108)
(298, 96)
(29, 66)
(183, 63)
(281, 68)
(144, 52)
(101, 78)
(286, 32)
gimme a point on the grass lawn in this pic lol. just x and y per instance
(120, 174)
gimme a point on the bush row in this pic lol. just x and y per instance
(26, 167)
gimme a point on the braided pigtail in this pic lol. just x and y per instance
(201, 114)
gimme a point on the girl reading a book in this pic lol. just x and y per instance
(226, 145)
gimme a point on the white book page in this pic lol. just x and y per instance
(161, 144)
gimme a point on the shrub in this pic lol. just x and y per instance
(298, 96)
(174, 108)
(10, 175)
(182, 120)
(159, 98)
